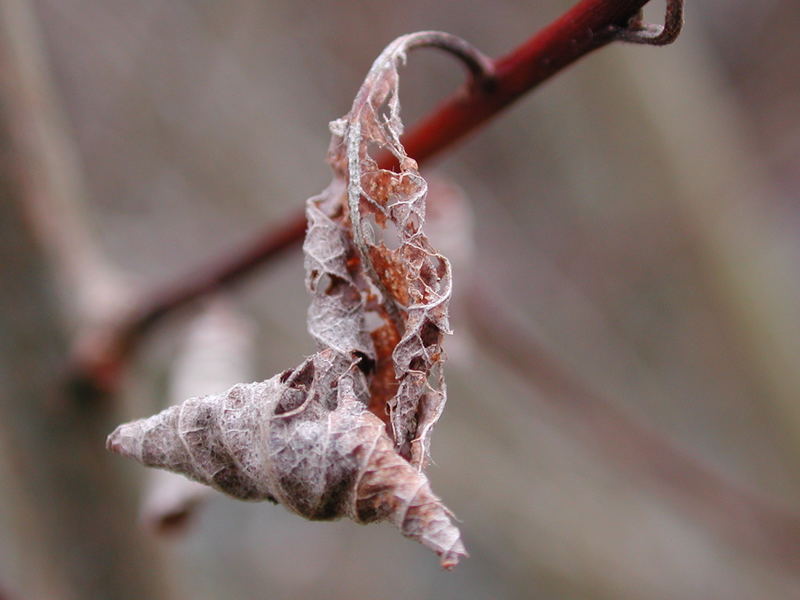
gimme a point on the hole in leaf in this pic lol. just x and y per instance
(365, 363)
(429, 334)
(372, 321)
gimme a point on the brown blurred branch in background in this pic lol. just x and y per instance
(742, 518)
(70, 545)
(101, 353)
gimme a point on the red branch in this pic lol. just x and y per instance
(589, 25)
(100, 355)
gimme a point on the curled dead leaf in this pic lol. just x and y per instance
(346, 433)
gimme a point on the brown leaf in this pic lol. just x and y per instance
(346, 433)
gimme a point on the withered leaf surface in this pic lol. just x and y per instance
(411, 280)
(346, 433)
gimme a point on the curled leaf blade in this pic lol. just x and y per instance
(345, 433)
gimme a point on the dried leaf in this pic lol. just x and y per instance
(304, 439)
(346, 433)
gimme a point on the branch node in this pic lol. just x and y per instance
(639, 32)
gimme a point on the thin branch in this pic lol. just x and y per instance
(100, 353)
(741, 517)
(589, 25)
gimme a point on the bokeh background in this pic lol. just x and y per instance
(634, 221)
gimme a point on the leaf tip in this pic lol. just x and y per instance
(448, 559)
(123, 441)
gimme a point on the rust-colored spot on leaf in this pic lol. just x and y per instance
(383, 385)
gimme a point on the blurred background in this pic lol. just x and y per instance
(624, 382)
